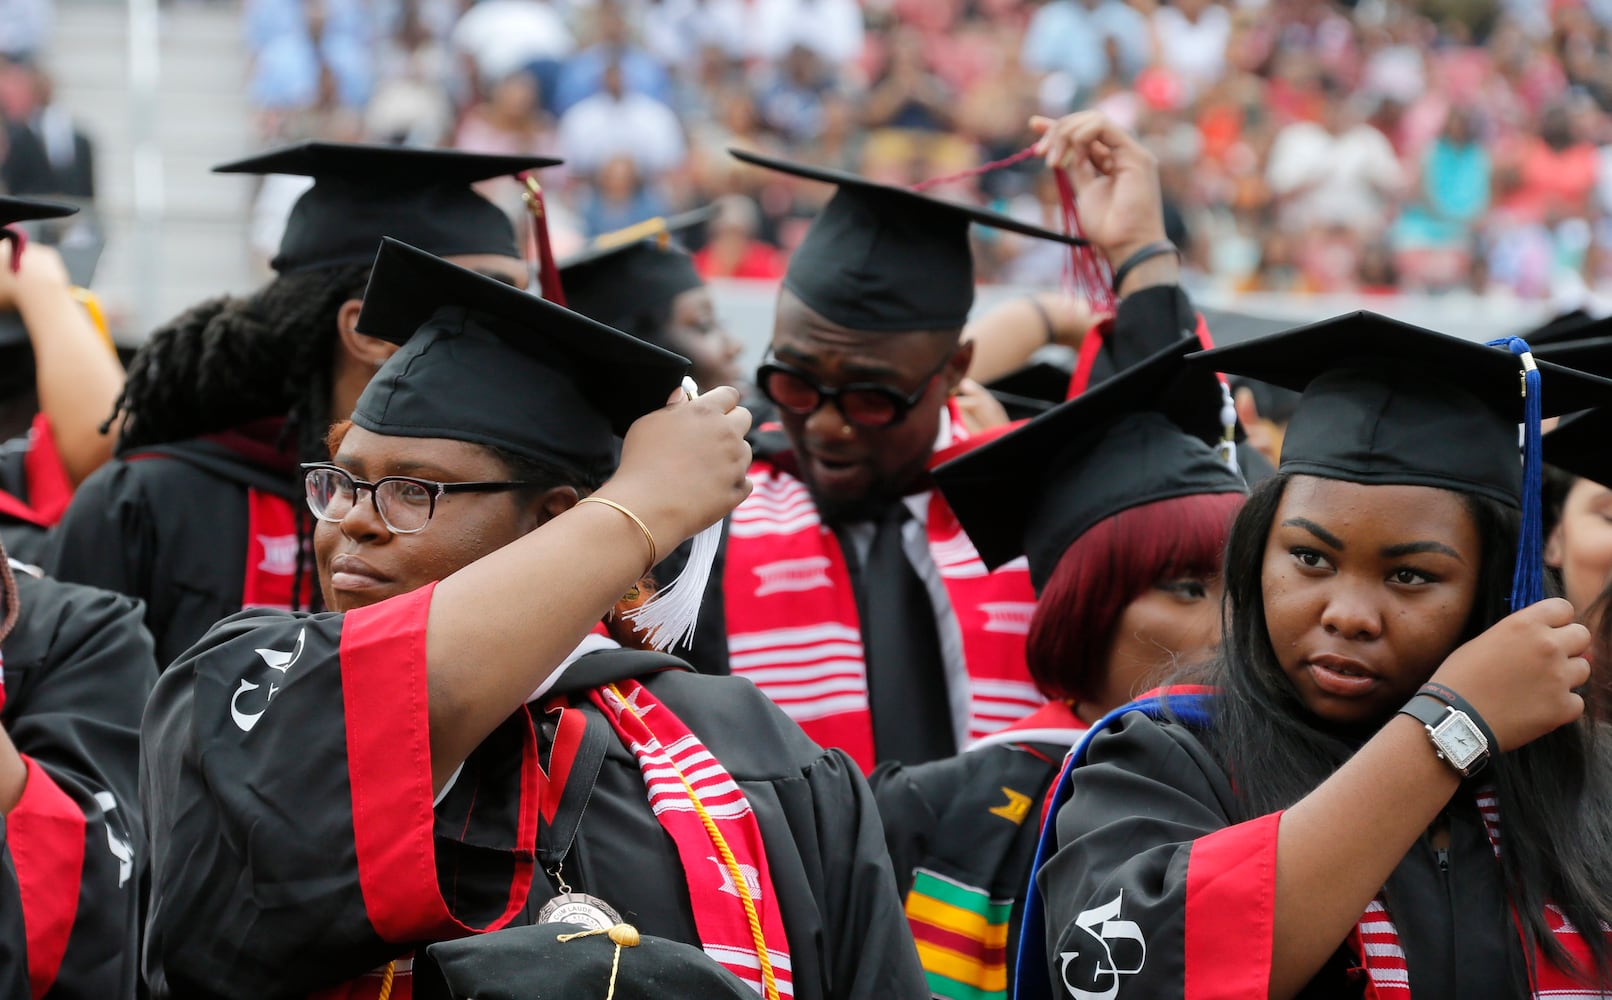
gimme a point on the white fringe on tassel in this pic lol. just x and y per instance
(668, 618)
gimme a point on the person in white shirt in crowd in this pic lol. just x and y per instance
(502, 36)
(1339, 171)
(616, 121)
(1190, 37)
(764, 30)
(1072, 37)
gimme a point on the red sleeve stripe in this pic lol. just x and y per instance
(1231, 911)
(384, 703)
(50, 489)
(45, 834)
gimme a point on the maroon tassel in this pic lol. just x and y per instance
(19, 242)
(548, 273)
(1087, 274)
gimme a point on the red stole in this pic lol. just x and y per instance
(1385, 976)
(793, 627)
(49, 488)
(271, 554)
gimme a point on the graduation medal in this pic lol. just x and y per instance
(579, 908)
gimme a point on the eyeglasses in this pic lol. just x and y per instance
(405, 504)
(865, 404)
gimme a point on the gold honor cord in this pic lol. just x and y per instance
(769, 981)
(387, 978)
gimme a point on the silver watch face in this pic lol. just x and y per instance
(1459, 740)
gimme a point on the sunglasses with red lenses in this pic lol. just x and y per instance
(864, 404)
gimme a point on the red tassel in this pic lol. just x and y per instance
(548, 273)
(19, 241)
(1087, 275)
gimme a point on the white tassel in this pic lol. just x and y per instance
(1228, 423)
(668, 618)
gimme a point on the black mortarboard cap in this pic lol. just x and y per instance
(1582, 445)
(887, 259)
(1033, 389)
(634, 271)
(1591, 354)
(28, 209)
(362, 193)
(1566, 328)
(488, 363)
(560, 962)
(1388, 402)
(1140, 437)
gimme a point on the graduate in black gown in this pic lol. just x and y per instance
(58, 374)
(329, 792)
(1393, 790)
(200, 515)
(1122, 515)
(77, 668)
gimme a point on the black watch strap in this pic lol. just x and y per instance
(1426, 709)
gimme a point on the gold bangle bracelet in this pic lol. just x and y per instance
(654, 553)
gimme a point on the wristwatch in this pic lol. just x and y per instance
(1457, 740)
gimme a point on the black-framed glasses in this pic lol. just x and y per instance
(405, 503)
(865, 404)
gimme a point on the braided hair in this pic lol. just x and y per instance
(231, 361)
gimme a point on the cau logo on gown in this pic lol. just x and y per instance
(1107, 949)
(276, 660)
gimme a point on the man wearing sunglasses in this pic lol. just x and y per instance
(851, 597)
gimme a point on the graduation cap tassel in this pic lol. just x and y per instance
(1227, 448)
(669, 616)
(548, 273)
(19, 241)
(1087, 273)
(1527, 582)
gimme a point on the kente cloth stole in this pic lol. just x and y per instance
(794, 630)
(736, 911)
(1376, 941)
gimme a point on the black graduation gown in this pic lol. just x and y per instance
(1155, 892)
(962, 835)
(77, 670)
(169, 525)
(287, 774)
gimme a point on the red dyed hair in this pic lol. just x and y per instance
(335, 436)
(1107, 568)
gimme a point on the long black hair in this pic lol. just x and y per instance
(230, 361)
(1555, 793)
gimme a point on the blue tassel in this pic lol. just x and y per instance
(1528, 580)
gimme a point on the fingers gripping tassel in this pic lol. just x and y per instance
(668, 618)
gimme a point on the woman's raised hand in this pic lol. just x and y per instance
(1521, 672)
(684, 466)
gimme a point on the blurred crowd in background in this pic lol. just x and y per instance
(1306, 145)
